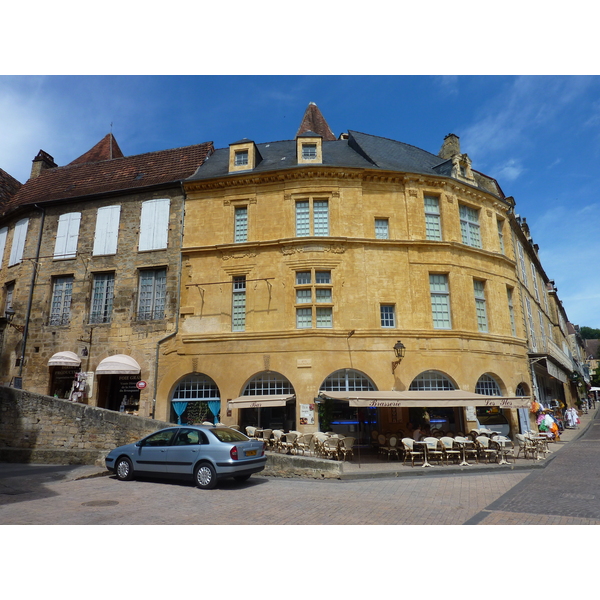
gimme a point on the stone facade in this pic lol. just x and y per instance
(36, 428)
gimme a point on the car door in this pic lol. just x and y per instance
(151, 454)
(183, 454)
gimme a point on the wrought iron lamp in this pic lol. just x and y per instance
(399, 351)
(9, 313)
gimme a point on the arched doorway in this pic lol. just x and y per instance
(431, 416)
(196, 399)
(491, 417)
(338, 416)
(278, 413)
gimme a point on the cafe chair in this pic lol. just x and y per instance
(331, 448)
(451, 450)
(411, 452)
(303, 443)
(435, 449)
(486, 448)
(346, 447)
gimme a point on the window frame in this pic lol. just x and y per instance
(480, 305)
(61, 300)
(103, 295)
(240, 224)
(312, 221)
(382, 228)
(440, 298)
(470, 227)
(157, 301)
(433, 218)
(387, 321)
(238, 303)
(313, 308)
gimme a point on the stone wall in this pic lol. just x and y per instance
(36, 428)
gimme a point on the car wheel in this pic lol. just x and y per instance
(241, 478)
(205, 476)
(124, 469)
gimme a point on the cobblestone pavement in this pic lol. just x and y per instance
(567, 491)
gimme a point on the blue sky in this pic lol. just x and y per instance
(539, 136)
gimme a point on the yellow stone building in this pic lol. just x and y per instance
(305, 261)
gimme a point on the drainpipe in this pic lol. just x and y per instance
(174, 333)
(31, 286)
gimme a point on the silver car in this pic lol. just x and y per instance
(206, 454)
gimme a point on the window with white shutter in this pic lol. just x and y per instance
(67, 235)
(107, 230)
(154, 225)
(18, 242)
(3, 234)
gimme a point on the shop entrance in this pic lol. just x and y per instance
(119, 392)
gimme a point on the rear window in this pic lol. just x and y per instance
(224, 434)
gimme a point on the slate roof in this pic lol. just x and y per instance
(359, 150)
(9, 186)
(78, 180)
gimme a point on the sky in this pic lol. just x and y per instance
(539, 136)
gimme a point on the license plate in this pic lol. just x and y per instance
(251, 453)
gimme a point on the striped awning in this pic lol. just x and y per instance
(260, 401)
(413, 399)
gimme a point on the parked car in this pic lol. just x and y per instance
(206, 454)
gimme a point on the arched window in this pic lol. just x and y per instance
(431, 381)
(488, 386)
(347, 380)
(196, 399)
(521, 391)
(268, 383)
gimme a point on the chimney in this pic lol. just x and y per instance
(41, 162)
(450, 147)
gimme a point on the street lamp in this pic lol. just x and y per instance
(9, 313)
(399, 350)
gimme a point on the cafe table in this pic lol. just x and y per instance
(425, 445)
(463, 446)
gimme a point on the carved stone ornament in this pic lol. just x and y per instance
(238, 255)
(333, 248)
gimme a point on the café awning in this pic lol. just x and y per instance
(64, 359)
(413, 399)
(118, 364)
(260, 401)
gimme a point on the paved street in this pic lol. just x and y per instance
(567, 491)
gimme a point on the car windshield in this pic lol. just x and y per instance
(224, 434)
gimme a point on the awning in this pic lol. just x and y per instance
(410, 399)
(64, 359)
(119, 364)
(260, 401)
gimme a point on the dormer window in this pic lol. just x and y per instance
(309, 148)
(309, 151)
(241, 158)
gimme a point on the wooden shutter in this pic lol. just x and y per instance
(3, 234)
(154, 224)
(67, 235)
(107, 230)
(18, 242)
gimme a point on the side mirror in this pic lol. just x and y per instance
(140, 443)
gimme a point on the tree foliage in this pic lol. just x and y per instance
(589, 333)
